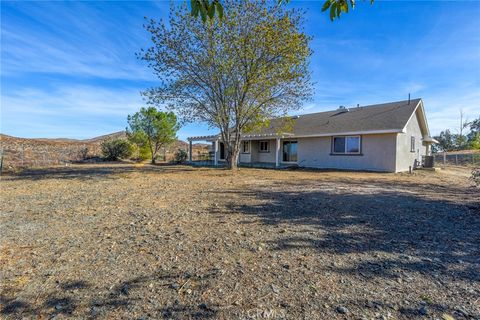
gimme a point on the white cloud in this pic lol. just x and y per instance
(90, 44)
(68, 111)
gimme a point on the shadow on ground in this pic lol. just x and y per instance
(438, 236)
(89, 172)
(122, 296)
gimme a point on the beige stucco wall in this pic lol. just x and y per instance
(258, 156)
(378, 154)
(406, 158)
(245, 157)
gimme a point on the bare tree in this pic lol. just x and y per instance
(233, 73)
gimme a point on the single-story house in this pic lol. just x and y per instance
(388, 137)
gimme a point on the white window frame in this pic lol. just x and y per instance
(246, 143)
(267, 143)
(345, 150)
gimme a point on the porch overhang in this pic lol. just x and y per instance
(243, 137)
(204, 138)
(429, 140)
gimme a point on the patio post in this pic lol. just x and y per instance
(190, 151)
(215, 151)
(277, 153)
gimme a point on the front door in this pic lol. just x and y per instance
(222, 151)
(289, 151)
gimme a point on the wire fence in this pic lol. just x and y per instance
(27, 155)
(457, 159)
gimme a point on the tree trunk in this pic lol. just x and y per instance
(232, 157)
(154, 155)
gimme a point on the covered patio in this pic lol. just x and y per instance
(256, 151)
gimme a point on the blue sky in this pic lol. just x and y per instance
(68, 69)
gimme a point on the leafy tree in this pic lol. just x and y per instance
(153, 129)
(473, 137)
(208, 8)
(475, 125)
(140, 152)
(446, 141)
(114, 149)
(474, 140)
(232, 74)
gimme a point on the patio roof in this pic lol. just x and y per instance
(256, 136)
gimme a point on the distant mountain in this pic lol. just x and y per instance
(115, 135)
(119, 134)
(31, 152)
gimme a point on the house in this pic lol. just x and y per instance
(388, 137)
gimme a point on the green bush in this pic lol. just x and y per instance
(140, 153)
(114, 149)
(181, 156)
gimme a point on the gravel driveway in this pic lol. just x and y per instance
(148, 242)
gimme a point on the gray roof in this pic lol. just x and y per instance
(385, 117)
(379, 117)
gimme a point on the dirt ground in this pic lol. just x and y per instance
(143, 242)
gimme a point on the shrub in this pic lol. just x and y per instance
(181, 156)
(115, 149)
(140, 152)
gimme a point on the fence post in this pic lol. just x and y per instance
(444, 158)
(456, 159)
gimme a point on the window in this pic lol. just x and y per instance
(412, 144)
(264, 146)
(346, 145)
(246, 147)
(290, 151)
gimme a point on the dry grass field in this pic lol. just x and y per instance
(130, 242)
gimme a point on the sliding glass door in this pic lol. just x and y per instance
(289, 151)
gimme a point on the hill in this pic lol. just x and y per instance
(39, 152)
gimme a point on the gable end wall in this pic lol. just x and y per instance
(406, 158)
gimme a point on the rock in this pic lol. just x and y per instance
(423, 310)
(94, 311)
(58, 306)
(275, 289)
(189, 291)
(175, 286)
(342, 310)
